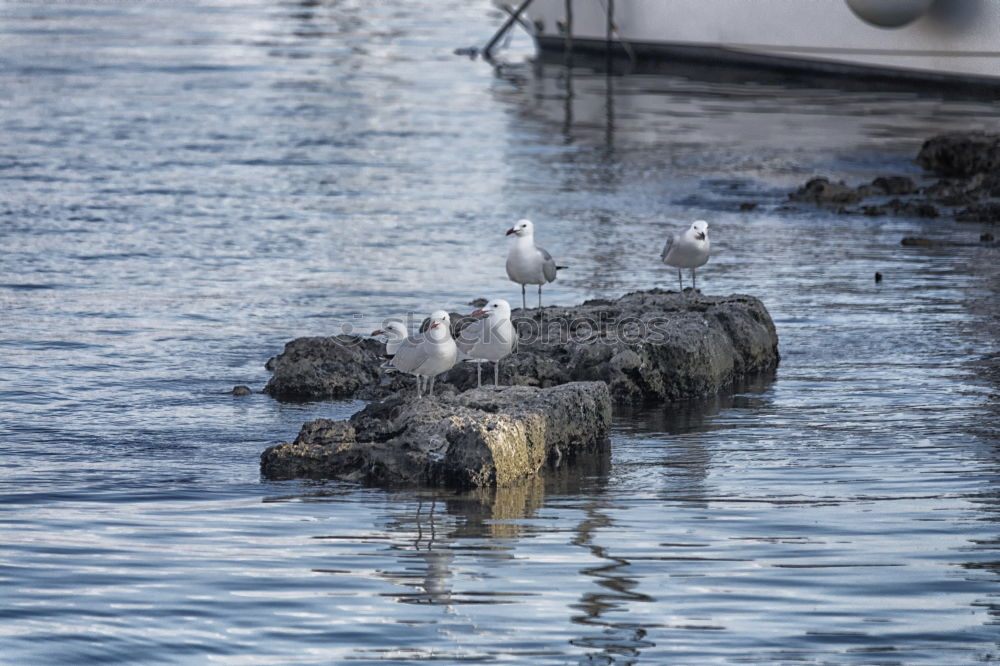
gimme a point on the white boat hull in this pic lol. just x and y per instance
(953, 38)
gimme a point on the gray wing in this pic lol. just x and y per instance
(468, 336)
(410, 355)
(666, 248)
(548, 265)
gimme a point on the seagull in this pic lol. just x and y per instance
(687, 249)
(394, 333)
(429, 354)
(488, 339)
(527, 263)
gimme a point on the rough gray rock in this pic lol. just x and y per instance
(479, 438)
(341, 366)
(647, 345)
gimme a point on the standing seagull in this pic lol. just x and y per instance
(395, 334)
(687, 249)
(527, 263)
(488, 339)
(429, 354)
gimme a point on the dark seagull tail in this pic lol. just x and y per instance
(561, 268)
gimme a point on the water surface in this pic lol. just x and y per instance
(187, 187)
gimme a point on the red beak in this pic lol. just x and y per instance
(435, 324)
(379, 332)
(478, 312)
(509, 231)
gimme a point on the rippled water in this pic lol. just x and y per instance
(187, 187)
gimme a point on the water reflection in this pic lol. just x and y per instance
(615, 592)
(429, 529)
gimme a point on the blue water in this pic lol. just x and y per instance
(186, 187)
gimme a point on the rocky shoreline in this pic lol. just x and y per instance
(963, 183)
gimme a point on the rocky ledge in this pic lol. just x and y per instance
(479, 438)
(967, 167)
(647, 345)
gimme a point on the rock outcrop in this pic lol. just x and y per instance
(323, 368)
(647, 345)
(479, 438)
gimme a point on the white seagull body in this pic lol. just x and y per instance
(488, 339)
(429, 354)
(687, 249)
(528, 263)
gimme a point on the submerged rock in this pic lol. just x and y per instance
(647, 345)
(478, 438)
(822, 191)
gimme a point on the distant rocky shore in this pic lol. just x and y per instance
(967, 186)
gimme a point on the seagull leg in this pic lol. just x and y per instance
(496, 374)
(694, 281)
(420, 384)
(524, 301)
(680, 281)
(539, 297)
(432, 385)
(479, 375)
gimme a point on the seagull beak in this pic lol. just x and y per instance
(511, 231)
(700, 235)
(478, 312)
(378, 332)
(435, 324)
